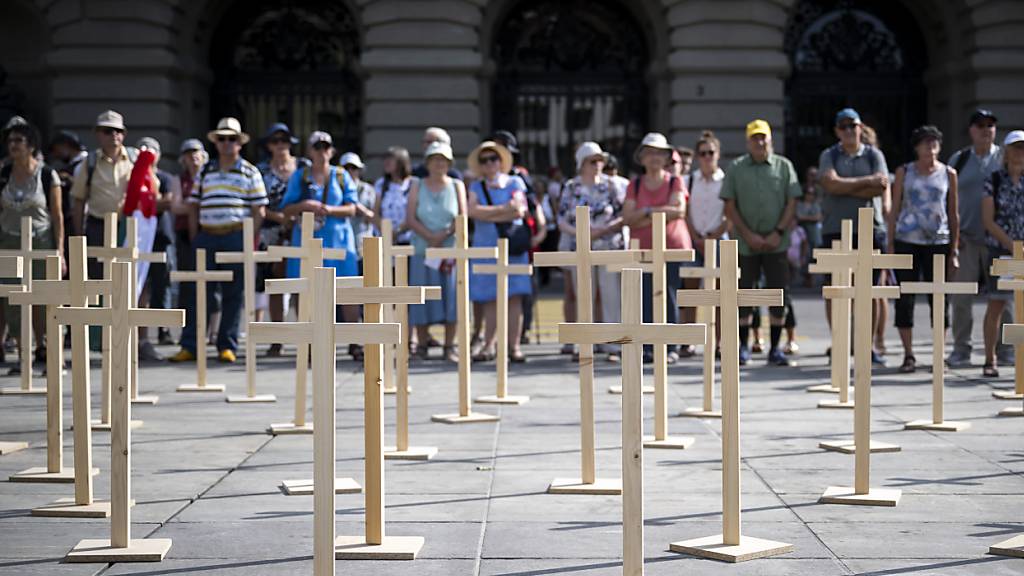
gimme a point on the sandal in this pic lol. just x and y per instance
(568, 349)
(484, 356)
(517, 357)
(989, 371)
(909, 365)
(451, 355)
(356, 351)
(433, 343)
(423, 350)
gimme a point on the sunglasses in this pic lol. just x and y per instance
(490, 158)
(848, 126)
(227, 138)
(706, 153)
(985, 125)
(280, 140)
(111, 131)
(322, 146)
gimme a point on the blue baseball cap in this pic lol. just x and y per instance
(847, 114)
(280, 127)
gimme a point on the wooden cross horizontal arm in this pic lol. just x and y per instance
(944, 288)
(11, 267)
(1003, 284)
(239, 258)
(878, 260)
(703, 273)
(403, 250)
(136, 317)
(827, 268)
(171, 318)
(34, 254)
(380, 295)
(455, 253)
(601, 333)
(299, 252)
(125, 253)
(597, 258)
(58, 292)
(511, 269)
(8, 290)
(670, 255)
(432, 292)
(1007, 267)
(301, 285)
(745, 297)
(1013, 333)
(302, 333)
(209, 276)
(848, 292)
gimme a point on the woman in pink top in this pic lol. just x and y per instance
(657, 191)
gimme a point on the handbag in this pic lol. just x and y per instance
(519, 235)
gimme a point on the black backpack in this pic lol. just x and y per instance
(46, 176)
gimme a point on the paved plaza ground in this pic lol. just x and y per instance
(205, 474)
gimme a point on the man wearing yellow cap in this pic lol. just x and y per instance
(760, 191)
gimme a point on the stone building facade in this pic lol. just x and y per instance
(376, 72)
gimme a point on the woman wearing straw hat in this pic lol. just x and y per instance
(497, 198)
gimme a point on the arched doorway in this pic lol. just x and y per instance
(293, 62)
(569, 71)
(868, 54)
(24, 76)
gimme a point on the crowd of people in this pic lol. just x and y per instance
(969, 209)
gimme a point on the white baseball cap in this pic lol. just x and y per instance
(439, 148)
(586, 150)
(1013, 137)
(351, 159)
(320, 136)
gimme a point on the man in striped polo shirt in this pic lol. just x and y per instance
(229, 190)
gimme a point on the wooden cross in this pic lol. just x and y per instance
(840, 314)
(249, 257)
(11, 267)
(584, 259)
(310, 255)
(863, 292)
(730, 545)
(109, 253)
(201, 276)
(1013, 334)
(79, 293)
(632, 334)
(122, 317)
(502, 270)
(322, 334)
(1015, 269)
(706, 315)
(462, 254)
(27, 254)
(54, 292)
(391, 253)
(938, 288)
(402, 450)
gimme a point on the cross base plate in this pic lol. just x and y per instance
(412, 453)
(394, 390)
(198, 388)
(100, 426)
(290, 428)
(142, 550)
(825, 389)
(471, 418)
(146, 399)
(874, 496)
(1012, 547)
(715, 548)
(1018, 411)
(618, 389)
(39, 474)
(392, 548)
(305, 487)
(848, 447)
(494, 399)
(66, 508)
(1007, 395)
(669, 443)
(607, 486)
(944, 426)
(22, 391)
(700, 413)
(251, 399)
(836, 404)
(9, 447)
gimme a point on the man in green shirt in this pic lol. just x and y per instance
(760, 191)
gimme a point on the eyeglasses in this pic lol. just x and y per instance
(848, 126)
(110, 131)
(227, 138)
(322, 146)
(490, 158)
(280, 140)
(706, 153)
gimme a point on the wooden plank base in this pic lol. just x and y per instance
(251, 399)
(606, 486)
(714, 547)
(392, 548)
(147, 399)
(1012, 547)
(66, 508)
(305, 487)
(394, 390)
(669, 443)
(836, 404)
(700, 413)
(289, 428)
(413, 453)
(9, 447)
(471, 418)
(616, 389)
(22, 392)
(848, 447)
(198, 388)
(825, 389)
(39, 475)
(1011, 412)
(874, 496)
(1007, 395)
(141, 550)
(99, 426)
(493, 399)
(945, 426)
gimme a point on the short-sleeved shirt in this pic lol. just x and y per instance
(866, 161)
(28, 198)
(109, 182)
(226, 197)
(367, 196)
(276, 185)
(336, 232)
(1008, 201)
(605, 200)
(676, 233)
(394, 198)
(761, 191)
(705, 206)
(970, 188)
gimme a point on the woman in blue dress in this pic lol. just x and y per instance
(328, 192)
(496, 198)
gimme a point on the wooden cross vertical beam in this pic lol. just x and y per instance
(706, 315)
(11, 267)
(462, 254)
(201, 276)
(27, 254)
(938, 288)
(502, 270)
(1014, 269)
(249, 257)
(391, 252)
(839, 360)
(1014, 334)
